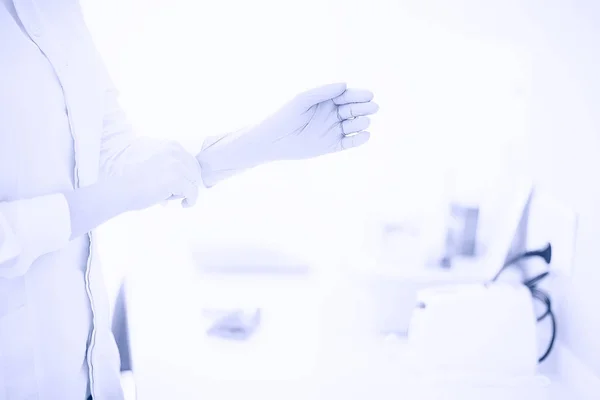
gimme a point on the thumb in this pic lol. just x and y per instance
(320, 94)
(349, 142)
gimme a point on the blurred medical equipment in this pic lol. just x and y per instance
(538, 294)
(461, 235)
(481, 334)
(464, 200)
(391, 288)
(477, 328)
(485, 331)
(237, 324)
(240, 287)
(545, 253)
(390, 295)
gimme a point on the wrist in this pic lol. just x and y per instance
(211, 172)
(93, 205)
(224, 156)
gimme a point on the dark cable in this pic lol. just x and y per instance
(541, 296)
(544, 315)
(545, 253)
(534, 281)
(536, 293)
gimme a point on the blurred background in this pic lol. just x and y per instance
(472, 94)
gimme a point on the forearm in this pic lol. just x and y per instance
(92, 206)
(212, 176)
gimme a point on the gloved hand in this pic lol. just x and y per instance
(324, 120)
(171, 173)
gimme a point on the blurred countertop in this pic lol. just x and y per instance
(313, 342)
(307, 347)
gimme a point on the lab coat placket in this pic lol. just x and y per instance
(32, 22)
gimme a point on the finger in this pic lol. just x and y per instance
(188, 191)
(355, 125)
(354, 110)
(181, 184)
(190, 188)
(166, 202)
(190, 201)
(318, 95)
(353, 96)
(349, 142)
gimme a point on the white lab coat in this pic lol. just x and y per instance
(60, 127)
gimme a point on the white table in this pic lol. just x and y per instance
(313, 343)
(306, 348)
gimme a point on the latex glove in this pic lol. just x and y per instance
(323, 120)
(171, 173)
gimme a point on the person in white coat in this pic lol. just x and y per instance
(69, 161)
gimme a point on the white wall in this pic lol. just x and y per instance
(565, 143)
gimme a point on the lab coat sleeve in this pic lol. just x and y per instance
(117, 135)
(31, 228)
(119, 144)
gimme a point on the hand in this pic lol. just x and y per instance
(324, 120)
(172, 173)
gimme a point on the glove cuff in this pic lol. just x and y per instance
(224, 156)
